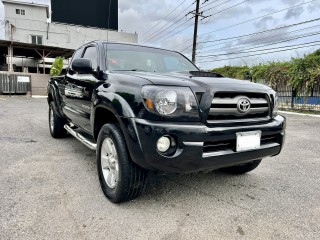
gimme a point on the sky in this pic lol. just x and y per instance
(234, 32)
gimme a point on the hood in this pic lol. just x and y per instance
(194, 82)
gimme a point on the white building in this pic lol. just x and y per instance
(30, 23)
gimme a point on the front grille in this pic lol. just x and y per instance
(216, 146)
(224, 108)
(230, 144)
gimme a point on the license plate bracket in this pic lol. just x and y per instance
(248, 140)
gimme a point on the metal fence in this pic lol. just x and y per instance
(308, 100)
(16, 83)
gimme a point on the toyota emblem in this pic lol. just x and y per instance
(243, 105)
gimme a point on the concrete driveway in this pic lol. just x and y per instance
(49, 189)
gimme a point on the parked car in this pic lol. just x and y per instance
(149, 109)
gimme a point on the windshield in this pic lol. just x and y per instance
(124, 57)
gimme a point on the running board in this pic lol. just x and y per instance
(81, 138)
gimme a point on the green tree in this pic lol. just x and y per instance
(300, 73)
(57, 66)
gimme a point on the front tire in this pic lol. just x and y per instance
(120, 178)
(241, 169)
(56, 123)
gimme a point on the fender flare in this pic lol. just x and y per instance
(125, 118)
(56, 99)
(114, 103)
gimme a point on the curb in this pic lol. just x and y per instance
(38, 96)
(300, 114)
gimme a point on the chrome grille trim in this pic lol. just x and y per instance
(232, 111)
(236, 99)
(224, 108)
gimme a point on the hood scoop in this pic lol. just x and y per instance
(205, 74)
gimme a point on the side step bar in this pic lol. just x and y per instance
(81, 138)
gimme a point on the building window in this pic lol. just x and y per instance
(20, 11)
(36, 40)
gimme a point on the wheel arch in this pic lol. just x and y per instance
(54, 97)
(109, 107)
(103, 115)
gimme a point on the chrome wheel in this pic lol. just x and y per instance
(56, 123)
(51, 120)
(109, 162)
(120, 178)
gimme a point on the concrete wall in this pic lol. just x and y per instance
(39, 83)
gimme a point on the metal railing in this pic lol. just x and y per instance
(308, 100)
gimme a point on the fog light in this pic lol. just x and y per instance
(163, 144)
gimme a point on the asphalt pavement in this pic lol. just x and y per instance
(49, 189)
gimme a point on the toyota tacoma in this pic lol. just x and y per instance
(149, 109)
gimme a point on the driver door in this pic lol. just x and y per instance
(78, 90)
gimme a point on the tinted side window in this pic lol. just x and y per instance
(77, 55)
(91, 53)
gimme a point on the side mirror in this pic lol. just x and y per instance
(82, 65)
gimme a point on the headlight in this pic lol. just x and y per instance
(166, 102)
(170, 101)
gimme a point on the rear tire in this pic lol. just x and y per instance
(56, 123)
(241, 169)
(120, 178)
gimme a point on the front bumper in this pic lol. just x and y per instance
(194, 145)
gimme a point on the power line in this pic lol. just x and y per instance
(261, 53)
(165, 29)
(203, 17)
(162, 29)
(214, 6)
(153, 27)
(250, 20)
(257, 48)
(256, 40)
(262, 32)
(198, 14)
(225, 8)
(178, 31)
(210, 3)
(252, 34)
(162, 39)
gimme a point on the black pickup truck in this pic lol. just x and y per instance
(148, 109)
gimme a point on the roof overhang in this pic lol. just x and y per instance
(28, 50)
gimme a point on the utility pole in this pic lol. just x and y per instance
(196, 17)
(197, 14)
(10, 47)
